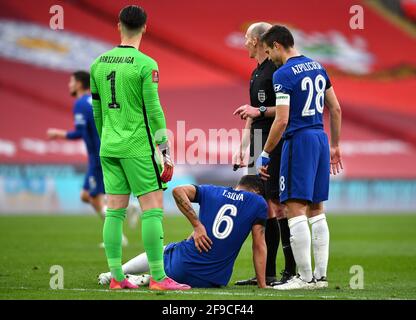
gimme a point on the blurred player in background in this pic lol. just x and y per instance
(302, 89)
(130, 122)
(226, 217)
(93, 188)
(259, 118)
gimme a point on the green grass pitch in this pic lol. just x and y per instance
(384, 245)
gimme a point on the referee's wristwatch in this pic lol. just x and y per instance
(262, 110)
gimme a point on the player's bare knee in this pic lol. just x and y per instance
(118, 201)
(151, 200)
(315, 209)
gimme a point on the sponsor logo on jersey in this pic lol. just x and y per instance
(261, 95)
(277, 87)
(155, 76)
(79, 119)
(92, 182)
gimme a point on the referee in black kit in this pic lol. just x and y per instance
(259, 119)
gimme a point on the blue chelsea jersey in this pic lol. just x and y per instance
(301, 82)
(228, 216)
(85, 128)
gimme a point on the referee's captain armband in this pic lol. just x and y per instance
(282, 99)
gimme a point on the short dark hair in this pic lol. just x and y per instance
(133, 18)
(83, 77)
(279, 34)
(252, 182)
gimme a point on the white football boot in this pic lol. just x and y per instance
(138, 280)
(296, 283)
(104, 278)
(321, 283)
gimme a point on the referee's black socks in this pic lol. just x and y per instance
(290, 264)
(272, 241)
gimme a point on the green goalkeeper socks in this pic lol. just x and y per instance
(112, 235)
(152, 233)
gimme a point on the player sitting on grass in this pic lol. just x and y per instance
(206, 258)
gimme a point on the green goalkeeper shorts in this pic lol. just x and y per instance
(139, 175)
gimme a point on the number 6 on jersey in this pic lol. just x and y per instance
(220, 218)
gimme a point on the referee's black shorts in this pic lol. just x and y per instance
(271, 186)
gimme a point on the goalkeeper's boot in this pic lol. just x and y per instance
(124, 284)
(322, 283)
(296, 283)
(138, 280)
(167, 284)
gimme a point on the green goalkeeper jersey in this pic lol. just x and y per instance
(127, 111)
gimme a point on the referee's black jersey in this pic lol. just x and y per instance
(262, 93)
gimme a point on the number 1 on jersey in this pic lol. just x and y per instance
(113, 104)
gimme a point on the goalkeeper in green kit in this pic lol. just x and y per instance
(131, 123)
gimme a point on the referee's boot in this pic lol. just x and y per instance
(286, 276)
(253, 281)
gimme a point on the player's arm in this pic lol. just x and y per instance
(75, 134)
(335, 114)
(276, 131)
(96, 103)
(54, 133)
(282, 86)
(156, 116)
(259, 253)
(278, 127)
(183, 196)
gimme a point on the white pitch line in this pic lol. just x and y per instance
(214, 293)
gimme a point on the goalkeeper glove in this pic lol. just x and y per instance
(167, 162)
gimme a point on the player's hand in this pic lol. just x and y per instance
(167, 162)
(53, 133)
(238, 159)
(247, 111)
(336, 161)
(201, 239)
(262, 164)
